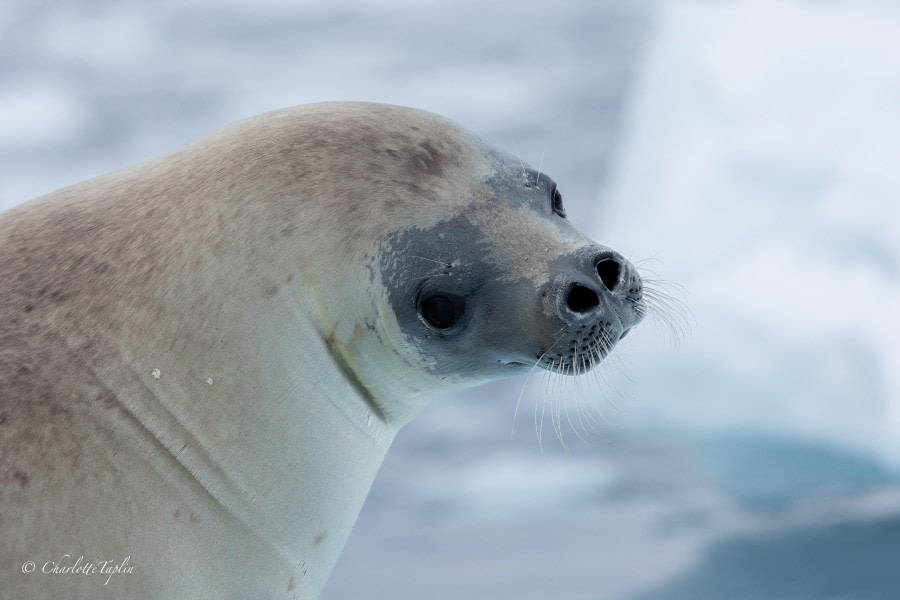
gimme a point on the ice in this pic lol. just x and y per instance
(758, 167)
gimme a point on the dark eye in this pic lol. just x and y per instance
(556, 203)
(441, 312)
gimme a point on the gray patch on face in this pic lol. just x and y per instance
(448, 260)
(505, 325)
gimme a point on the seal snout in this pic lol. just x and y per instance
(598, 296)
(610, 282)
(583, 298)
(610, 272)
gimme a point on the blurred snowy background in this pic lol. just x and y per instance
(747, 147)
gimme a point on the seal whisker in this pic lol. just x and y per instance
(602, 384)
(440, 262)
(565, 385)
(522, 391)
(558, 419)
(573, 372)
(617, 362)
(549, 380)
(560, 372)
(580, 398)
(598, 414)
(558, 412)
(667, 300)
(595, 413)
(540, 164)
(588, 361)
(668, 316)
(553, 401)
(579, 429)
(579, 410)
(564, 406)
(519, 156)
(539, 423)
(671, 315)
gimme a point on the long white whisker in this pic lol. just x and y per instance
(522, 391)
(519, 156)
(588, 373)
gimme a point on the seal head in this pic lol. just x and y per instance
(508, 284)
(432, 261)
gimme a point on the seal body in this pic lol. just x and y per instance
(204, 358)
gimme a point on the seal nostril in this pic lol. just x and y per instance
(581, 299)
(609, 270)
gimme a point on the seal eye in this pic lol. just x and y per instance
(556, 203)
(441, 312)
